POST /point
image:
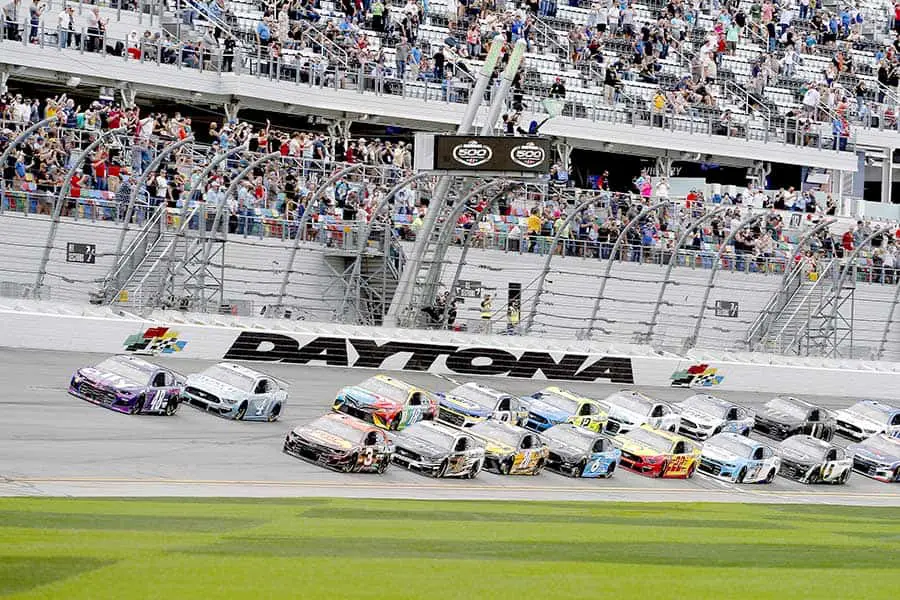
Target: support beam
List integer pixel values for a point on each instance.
(887, 175)
(231, 109)
(129, 94)
(564, 154)
(61, 200)
(4, 79)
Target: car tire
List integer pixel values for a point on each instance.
(394, 425)
(505, 466)
(662, 469)
(610, 470)
(242, 412)
(691, 470)
(351, 464)
(382, 465)
(474, 471)
(442, 470)
(746, 432)
(137, 406)
(578, 471)
(741, 475)
(844, 477)
(538, 467)
(770, 477)
(171, 407)
(274, 413)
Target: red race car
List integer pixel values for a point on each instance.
(387, 402)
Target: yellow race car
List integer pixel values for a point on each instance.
(658, 453)
(510, 450)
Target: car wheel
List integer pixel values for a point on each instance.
(770, 477)
(351, 464)
(474, 471)
(578, 471)
(538, 467)
(505, 466)
(610, 470)
(171, 407)
(137, 406)
(746, 432)
(828, 435)
(273, 414)
(740, 476)
(442, 470)
(394, 425)
(662, 469)
(691, 470)
(845, 476)
(382, 465)
(242, 412)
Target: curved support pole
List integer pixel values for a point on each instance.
(465, 249)
(803, 239)
(681, 239)
(136, 187)
(749, 220)
(197, 193)
(61, 199)
(890, 318)
(850, 265)
(612, 259)
(546, 269)
(305, 218)
(232, 187)
(15, 144)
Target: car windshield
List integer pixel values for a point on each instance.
(706, 405)
(337, 427)
(787, 407)
(730, 445)
(233, 378)
(432, 436)
(494, 431)
(384, 389)
(558, 401)
(125, 370)
(570, 437)
(884, 445)
(637, 403)
(875, 413)
(476, 395)
(651, 440)
(805, 445)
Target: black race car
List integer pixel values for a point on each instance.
(438, 451)
(810, 460)
(341, 442)
(785, 416)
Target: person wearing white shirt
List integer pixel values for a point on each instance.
(65, 24)
(811, 100)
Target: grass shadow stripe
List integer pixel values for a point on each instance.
(22, 573)
(122, 522)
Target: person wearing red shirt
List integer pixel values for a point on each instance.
(847, 240)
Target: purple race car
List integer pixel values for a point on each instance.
(130, 385)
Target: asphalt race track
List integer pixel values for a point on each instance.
(52, 444)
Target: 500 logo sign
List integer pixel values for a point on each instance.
(463, 360)
(492, 153)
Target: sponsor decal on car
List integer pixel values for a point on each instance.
(700, 375)
(155, 340)
(463, 360)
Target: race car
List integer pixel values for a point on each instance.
(658, 453)
(739, 459)
(629, 409)
(387, 402)
(704, 415)
(579, 452)
(867, 418)
(438, 450)
(552, 406)
(877, 457)
(235, 392)
(342, 443)
(470, 403)
(128, 384)
(785, 416)
(810, 460)
(510, 450)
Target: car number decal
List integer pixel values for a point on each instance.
(159, 398)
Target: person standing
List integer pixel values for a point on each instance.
(486, 313)
(513, 314)
(401, 55)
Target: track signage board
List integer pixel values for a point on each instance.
(81, 253)
(492, 153)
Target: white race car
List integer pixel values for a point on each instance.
(736, 458)
(703, 416)
(629, 409)
(867, 418)
(235, 392)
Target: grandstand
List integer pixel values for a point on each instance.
(281, 222)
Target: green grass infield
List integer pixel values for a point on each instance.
(337, 548)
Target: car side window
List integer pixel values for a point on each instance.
(896, 419)
(415, 399)
(732, 414)
(462, 444)
(813, 415)
(600, 445)
(680, 448)
(159, 380)
(371, 438)
(758, 454)
(587, 409)
(527, 443)
(831, 455)
(262, 386)
(504, 404)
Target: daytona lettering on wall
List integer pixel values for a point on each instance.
(411, 356)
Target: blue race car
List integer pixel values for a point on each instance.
(738, 459)
(552, 406)
(579, 452)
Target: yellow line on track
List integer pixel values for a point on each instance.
(432, 486)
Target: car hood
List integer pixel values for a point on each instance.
(633, 447)
(780, 417)
(363, 397)
(464, 406)
(548, 411)
(858, 419)
(219, 388)
(419, 446)
(702, 418)
(619, 413)
(564, 449)
(109, 380)
(865, 451)
(799, 456)
(324, 438)
(721, 455)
